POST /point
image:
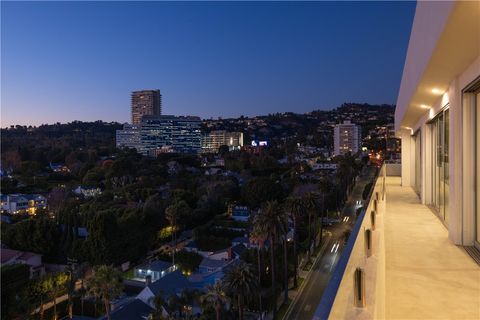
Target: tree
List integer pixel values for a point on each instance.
(53, 285)
(241, 283)
(40, 235)
(261, 189)
(270, 223)
(310, 203)
(223, 150)
(188, 261)
(105, 284)
(259, 239)
(216, 296)
(14, 278)
(295, 209)
(173, 213)
(74, 274)
(158, 302)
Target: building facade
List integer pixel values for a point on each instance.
(438, 115)
(145, 103)
(170, 134)
(23, 203)
(346, 138)
(129, 137)
(213, 140)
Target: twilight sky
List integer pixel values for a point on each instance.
(64, 61)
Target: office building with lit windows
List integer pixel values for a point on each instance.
(128, 137)
(213, 140)
(170, 134)
(346, 138)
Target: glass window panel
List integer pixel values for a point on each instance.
(477, 109)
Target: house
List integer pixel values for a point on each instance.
(241, 240)
(23, 203)
(81, 232)
(59, 167)
(237, 250)
(155, 269)
(88, 191)
(240, 213)
(192, 246)
(135, 309)
(209, 265)
(209, 272)
(34, 260)
(223, 254)
(213, 171)
(172, 283)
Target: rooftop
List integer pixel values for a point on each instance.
(157, 265)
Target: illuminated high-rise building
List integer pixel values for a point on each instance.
(145, 103)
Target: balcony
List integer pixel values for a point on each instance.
(413, 272)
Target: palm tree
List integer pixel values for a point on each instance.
(270, 223)
(157, 314)
(53, 285)
(325, 187)
(259, 239)
(295, 209)
(310, 203)
(74, 274)
(217, 297)
(172, 214)
(105, 284)
(241, 282)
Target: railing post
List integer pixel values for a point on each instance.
(368, 242)
(373, 219)
(359, 288)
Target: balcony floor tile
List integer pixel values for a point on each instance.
(427, 276)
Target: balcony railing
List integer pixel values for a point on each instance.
(356, 288)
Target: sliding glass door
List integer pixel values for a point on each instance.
(418, 162)
(441, 175)
(477, 162)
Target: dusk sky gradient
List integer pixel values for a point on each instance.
(64, 61)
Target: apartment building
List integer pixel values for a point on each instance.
(346, 138)
(145, 103)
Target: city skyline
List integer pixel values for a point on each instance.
(208, 59)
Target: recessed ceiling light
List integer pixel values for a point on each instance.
(436, 91)
(424, 106)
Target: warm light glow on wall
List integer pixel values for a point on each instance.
(424, 106)
(445, 99)
(437, 91)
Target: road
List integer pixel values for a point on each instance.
(305, 303)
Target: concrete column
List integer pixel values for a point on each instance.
(455, 154)
(468, 185)
(407, 154)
